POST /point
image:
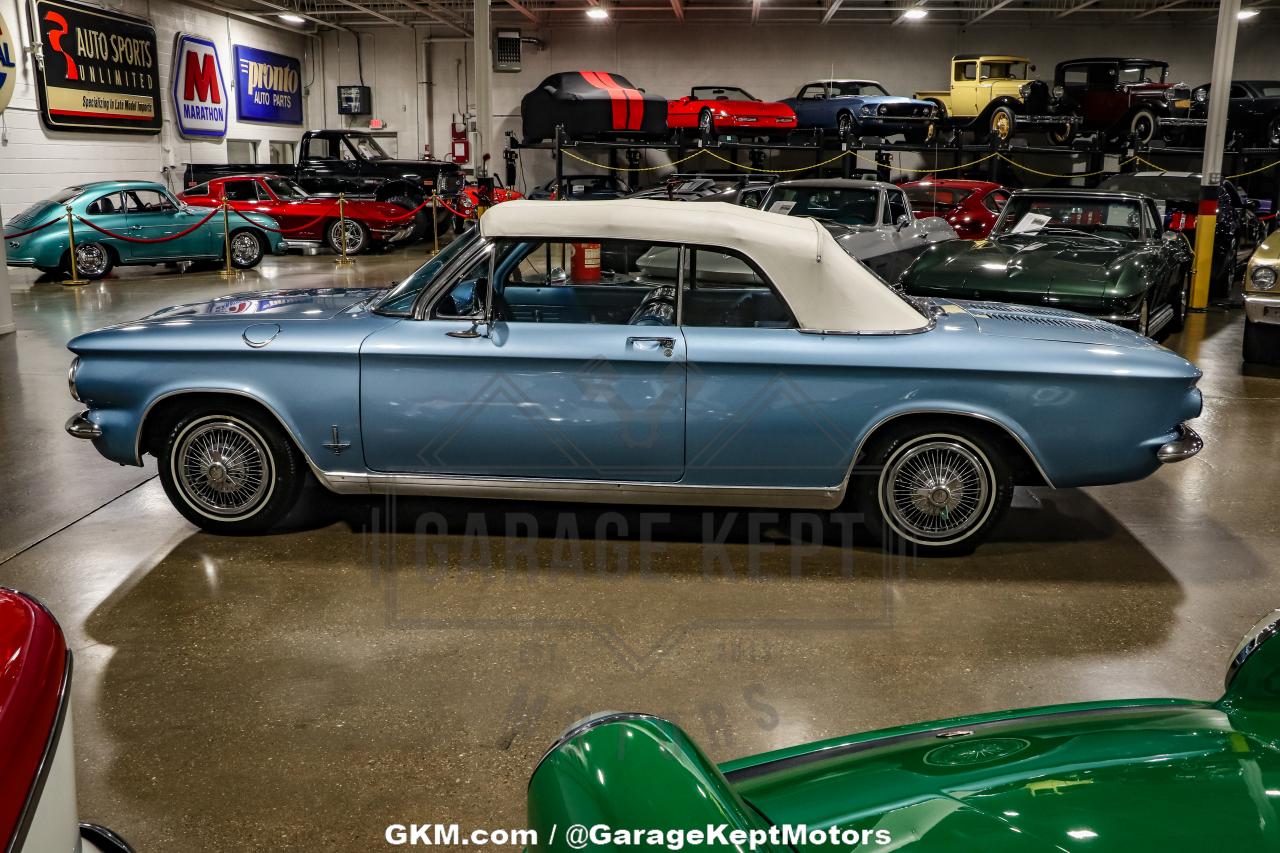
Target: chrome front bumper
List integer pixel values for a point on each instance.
(80, 426)
(1187, 444)
(1256, 308)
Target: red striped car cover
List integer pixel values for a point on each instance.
(628, 103)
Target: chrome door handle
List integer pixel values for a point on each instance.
(667, 344)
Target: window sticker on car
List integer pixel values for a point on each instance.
(783, 207)
(1031, 222)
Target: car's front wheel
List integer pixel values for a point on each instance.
(230, 469)
(350, 231)
(706, 125)
(1001, 123)
(936, 486)
(247, 248)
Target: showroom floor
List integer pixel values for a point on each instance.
(301, 691)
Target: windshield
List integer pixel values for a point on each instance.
(721, 93)
(846, 205)
(1111, 218)
(1162, 187)
(286, 189)
(367, 147)
(399, 300)
(857, 87)
(1142, 73)
(1269, 89)
(933, 197)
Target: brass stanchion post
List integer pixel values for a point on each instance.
(435, 223)
(342, 260)
(71, 253)
(228, 271)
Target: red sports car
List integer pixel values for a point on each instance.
(970, 207)
(715, 109)
(37, 750)
(307, 220)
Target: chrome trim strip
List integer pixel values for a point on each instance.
(1264, 629)
(1256, 305)
(1187, 444)
(927, 327)
(79, 426)
(586, 491)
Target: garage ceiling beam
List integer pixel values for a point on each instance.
(1162, 7)
(990, 10)
(252, 18)
(437, 13)
(524, 10)
(677, 8)
(374, 14)
(280, 7)
(1084, 4)
(833, 6)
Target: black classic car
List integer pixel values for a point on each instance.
(1121, 98)
(746, 190)
(583, 188)
(1177, 197)
(592, 105)
(351, 162)
(1253, 114)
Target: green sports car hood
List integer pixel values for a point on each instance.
(1163, 775)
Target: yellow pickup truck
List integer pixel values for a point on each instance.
(994, 92)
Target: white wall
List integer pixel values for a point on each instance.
(34, 161)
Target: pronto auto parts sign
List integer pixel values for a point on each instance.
(98, 69)
(200, 102)
(8, 68)
(268, 86)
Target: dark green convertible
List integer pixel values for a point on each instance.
(1101, 253)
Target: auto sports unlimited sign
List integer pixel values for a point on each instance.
(8, 68)
(200, 103)
(268, 86)
(98, 69)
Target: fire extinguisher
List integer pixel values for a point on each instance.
(585, 263)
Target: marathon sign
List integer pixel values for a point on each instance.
(98, 69)
(268, 86)
(200, 102)
(8, 67)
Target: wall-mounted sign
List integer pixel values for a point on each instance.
(268, 86)
(8, 68)
(200, 102)
(98, 71)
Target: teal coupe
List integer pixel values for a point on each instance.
(119, 223)
(1125, 775)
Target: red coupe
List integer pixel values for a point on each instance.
(715, 109)
(307, 220)
(970, 207)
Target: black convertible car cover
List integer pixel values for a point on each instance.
(591, 104)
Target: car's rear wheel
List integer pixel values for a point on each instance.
(1261, 343)
(937, 487)
(247, 249)
(1142, 126)
(229, 469)
(350, 231)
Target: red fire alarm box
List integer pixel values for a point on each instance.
(461, 147)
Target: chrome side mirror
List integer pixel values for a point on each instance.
(557, 276)
(905, 220)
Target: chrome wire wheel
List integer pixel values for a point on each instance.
(245, 249)
(92, 259)
(936, 489)
(223, 468)
(346, 232)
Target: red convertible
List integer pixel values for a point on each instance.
(37, 752)
(307, 220)
(970, 207)
(715, 109)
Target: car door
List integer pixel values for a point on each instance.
(579, 375)
(153, 215)
(107, 212)
(811, 106)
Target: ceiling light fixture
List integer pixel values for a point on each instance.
(915, 14)
(289, 18)
(1246, 14)
(597, 13)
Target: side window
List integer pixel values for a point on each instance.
(751, 198)
(1075, 78)
(146, 202)
(105, 206)
(1238, 91)
(898, 207)
(813, 92)
(240, 190)
(995, 200)
(1150, 222)
(316, 148)
(724, 289)
(966, 71)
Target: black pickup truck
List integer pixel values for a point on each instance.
(351, 162)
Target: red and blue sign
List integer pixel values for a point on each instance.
(200, 101)
(268, 86)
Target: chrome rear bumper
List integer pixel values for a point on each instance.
(80, 426)
(1187, 444)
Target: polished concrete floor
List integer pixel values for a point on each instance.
(408, 661)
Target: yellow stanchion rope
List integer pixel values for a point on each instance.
(1026, 168)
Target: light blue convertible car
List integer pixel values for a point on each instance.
(120, 223)
(634, 351)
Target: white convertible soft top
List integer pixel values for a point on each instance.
(826, 289)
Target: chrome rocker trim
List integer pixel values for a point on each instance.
(1256, 305)
(1187, 444)
(1266, 628)
(79, 426)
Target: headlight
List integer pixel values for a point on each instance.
(1202, 95)
(71, 378)
(1058, 91)
(1024, 90)
(883, 109)
(866, 109)
(1262, 278)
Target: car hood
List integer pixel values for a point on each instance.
(762, 108)
(1041, 266)
(1151, 776)
(317, 303)
(886, 99)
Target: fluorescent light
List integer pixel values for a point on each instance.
(1246, 14)
(597, 13)
(1082, 834)
(291, 19)
(915, 14)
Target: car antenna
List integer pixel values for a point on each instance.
(817, 233)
